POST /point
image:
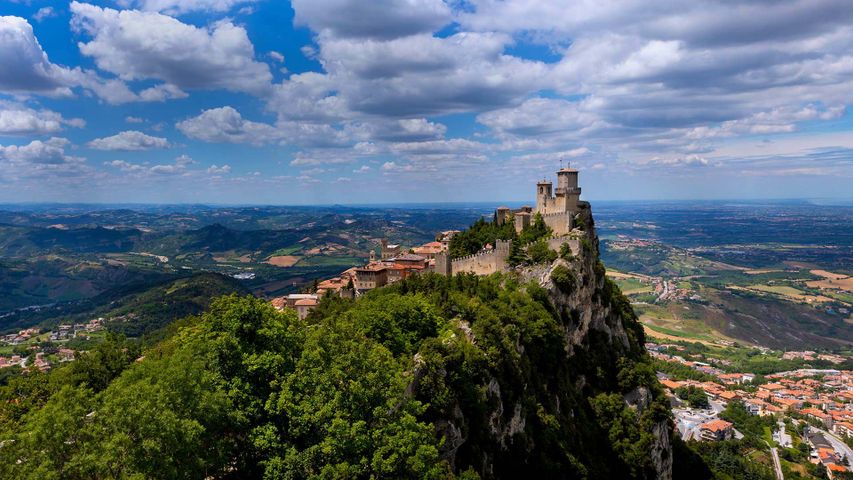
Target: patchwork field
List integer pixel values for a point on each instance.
(283, 260)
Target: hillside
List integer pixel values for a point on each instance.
(137, 308)
(540, 372)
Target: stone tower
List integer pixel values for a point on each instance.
(502, 214)
(543, 195)
(567, 189)
(502, 249)
(443, 265)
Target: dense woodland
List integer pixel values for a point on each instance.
(359, 389)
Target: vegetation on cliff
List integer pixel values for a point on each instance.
(528, 247)
(431, 378)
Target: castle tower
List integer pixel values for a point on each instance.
(502, 214)
(543, 195)
(567, 187)
(502, 249)
(443, 264)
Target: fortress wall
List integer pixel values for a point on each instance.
(480, 264)
(484, 263)
(560, 223)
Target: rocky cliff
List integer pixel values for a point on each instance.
(583, 405)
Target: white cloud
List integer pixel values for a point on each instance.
(132, 119)
(225, 124)
(26, 67)
(39, 160)
(48, 152)
(177, 7)
(44, 12)
(375, 19)
(27, 70)
(276, 56)
(223, 170)
(179, 167)
(147, 45)
(17, 119)
(129, 140)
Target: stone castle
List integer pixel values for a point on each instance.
(557, 209)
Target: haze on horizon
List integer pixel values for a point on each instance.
(353, 102)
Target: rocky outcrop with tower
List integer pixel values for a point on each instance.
(557, 208)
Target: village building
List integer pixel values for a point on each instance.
(429, 250)
(304, 306)
(716, 430)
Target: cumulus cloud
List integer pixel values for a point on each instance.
(129, 140)
(48, 152)
(26, 67)
(44, 12)
(136, 45)
(39, 159)
(226, 125)
(18, 119)
(375, 19)
(223, 170)
(27, 70)
(177, 7)
(410, 76)
(179, 167)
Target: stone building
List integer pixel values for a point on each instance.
(557, 207)
(389, 251)
(370, 277)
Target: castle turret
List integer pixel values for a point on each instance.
(567, 186)
(543, 195)
(443, 265)
(502, 214)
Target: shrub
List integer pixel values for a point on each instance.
(564, 279)
(540, 252)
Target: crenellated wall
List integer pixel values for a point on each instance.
(484, 263)
(559, 222)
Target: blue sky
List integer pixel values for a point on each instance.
(345, 101)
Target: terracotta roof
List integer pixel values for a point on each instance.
(306, 302)
(670, 384)
(716, 425)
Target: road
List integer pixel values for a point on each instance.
(837, 443)
(777, 465)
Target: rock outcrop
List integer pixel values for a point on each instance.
(602, 371)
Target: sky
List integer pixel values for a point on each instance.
(389, 101)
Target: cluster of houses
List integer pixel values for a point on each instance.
(62, 332)
(822, 397)
(31, 336)
(811, 356)
(20, 337)
(67, 332)
(393, 264)
(40, 362)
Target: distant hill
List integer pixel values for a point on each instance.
(145, 305)
(152, 309)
